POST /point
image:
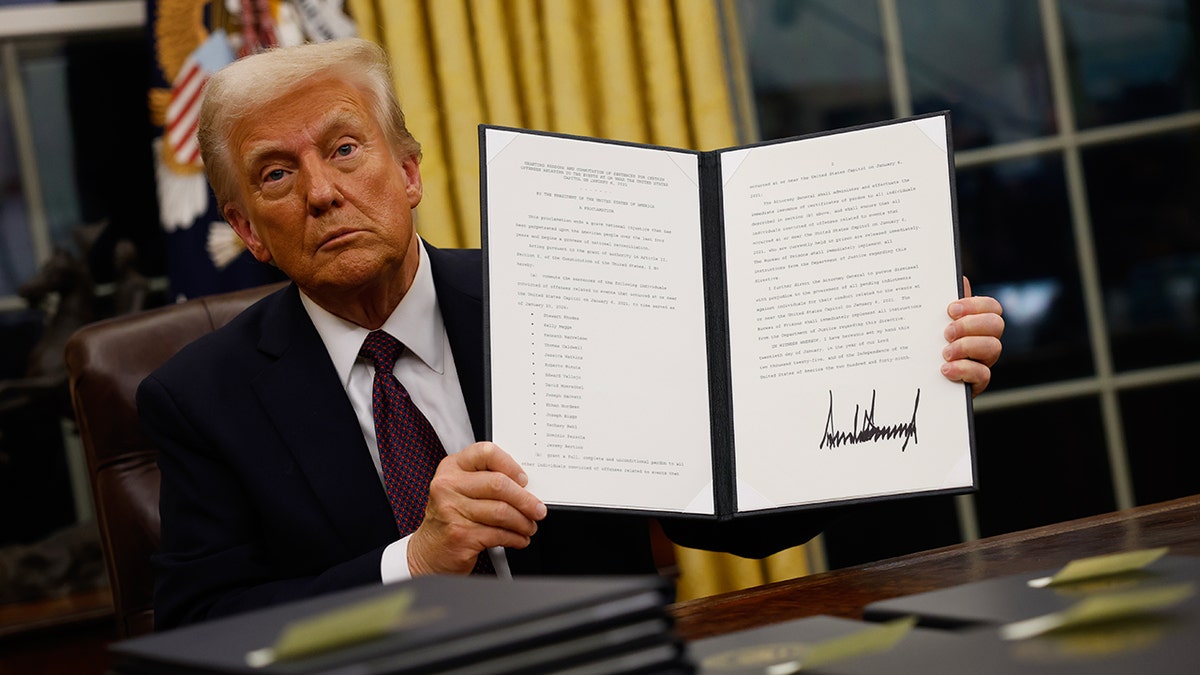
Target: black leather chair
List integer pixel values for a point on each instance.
(106, 361)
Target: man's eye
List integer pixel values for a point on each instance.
(275, 175)
(345, 149)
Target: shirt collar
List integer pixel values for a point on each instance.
(416, 321)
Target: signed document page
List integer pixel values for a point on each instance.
(841, 262)
(597, 342)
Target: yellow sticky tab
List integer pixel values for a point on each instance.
(872, 640)
(337, 628)
(1101, 565)
(1101, 607)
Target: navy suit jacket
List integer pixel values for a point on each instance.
(268, 490)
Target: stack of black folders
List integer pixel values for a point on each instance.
(434, 624)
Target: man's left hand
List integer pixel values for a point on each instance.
(477, 500)
(974, 339)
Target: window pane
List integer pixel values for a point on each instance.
(16, 249)
(985, 61)
(43, 69)
(1041, 464)
(815, 65)
(1131, 60)
(1143, 201)
(1017, 246)
(1162, 451)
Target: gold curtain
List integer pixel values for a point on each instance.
(647, 71)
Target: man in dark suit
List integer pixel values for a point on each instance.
(276, 471)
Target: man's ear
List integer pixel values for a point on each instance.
(241, 224)
(412, 175)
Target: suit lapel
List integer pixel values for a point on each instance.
(308, 406)
(458, 279)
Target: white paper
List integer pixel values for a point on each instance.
(596, 311)
(840, 267)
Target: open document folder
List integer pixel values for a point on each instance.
(718, 333)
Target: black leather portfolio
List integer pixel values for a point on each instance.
(705, 300)
(443, 624)
(1008, 599)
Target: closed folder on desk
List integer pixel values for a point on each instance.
(471, 624)
(1009, 599)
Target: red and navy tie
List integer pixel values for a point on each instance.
(409, 449)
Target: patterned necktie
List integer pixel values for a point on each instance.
(409, 449)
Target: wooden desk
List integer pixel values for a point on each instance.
(846, 592)
(17, 618)
(69, 634)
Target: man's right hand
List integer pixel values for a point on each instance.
(477, 500)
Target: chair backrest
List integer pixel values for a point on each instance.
(106, 361)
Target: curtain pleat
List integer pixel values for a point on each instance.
(666, 108)
(647, 71)
(526, 28)
(787, 564)
(616, 90)
(705, 83)
(365, 17)
(499, 81)
(703, 573)
(461, 110)
(566, 36)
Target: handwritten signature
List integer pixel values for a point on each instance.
(869, 432)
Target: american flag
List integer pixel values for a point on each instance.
(184, 110)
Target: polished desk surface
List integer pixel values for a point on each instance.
(845, 592)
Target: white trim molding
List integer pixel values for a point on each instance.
(54, 19)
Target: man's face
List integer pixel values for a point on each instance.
(320, 192)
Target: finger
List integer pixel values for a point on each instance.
(985, 349)
(970, 372)
(492, 537)
(987, 325)
(476, 523)
(981, 304)
(496, 514)
(486, 485)
(486, 456)
(966, 287)
(451, 486)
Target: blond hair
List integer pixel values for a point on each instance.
(246, 86)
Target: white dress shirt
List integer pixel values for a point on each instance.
(425, 368)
